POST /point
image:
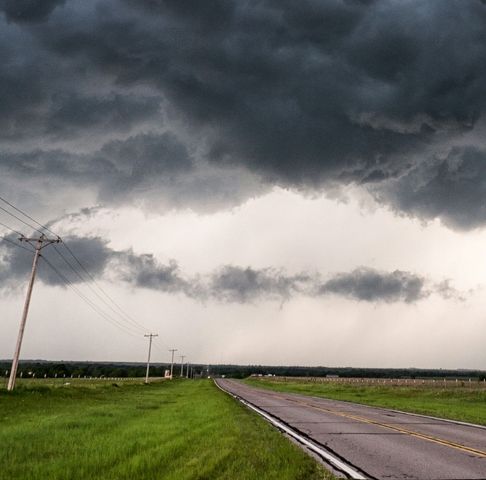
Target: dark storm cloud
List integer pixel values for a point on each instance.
(156, 170)
(304, 94)
(374, 286)
(263, 81)
(64, 116)
(294, 90)
(28, 10)
(119, 166)
(452, 188)
(70, 114)
(44, 96)
(148, 154)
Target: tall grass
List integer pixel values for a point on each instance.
(171, 430)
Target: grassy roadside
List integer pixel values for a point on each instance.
(457, 403)
(169, 430)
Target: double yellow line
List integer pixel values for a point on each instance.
(423, 436)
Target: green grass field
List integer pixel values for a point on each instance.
(463, 404)
(167, 430)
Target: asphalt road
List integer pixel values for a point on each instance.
(380, 443)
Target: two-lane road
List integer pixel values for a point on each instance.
(380, 443)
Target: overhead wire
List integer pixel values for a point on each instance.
(161, 350)
(5, 239)
(26, 215)
(92, 304)
(164, 347)
(127, 318)
(20, 220)
(130, 323)
(12, 229)
(17, 244)
(89, 302)
(69, 264)
(122, 312)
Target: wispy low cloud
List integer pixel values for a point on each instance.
(372, 285)
(228, 284)
(245, 285)
(236, 284)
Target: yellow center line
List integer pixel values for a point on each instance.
(423, 436)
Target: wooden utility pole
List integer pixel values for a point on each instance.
(150, 336)
(182, 365)
(38, 244)
(172, 361)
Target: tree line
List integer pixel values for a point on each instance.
(39, 369)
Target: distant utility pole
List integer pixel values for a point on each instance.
(172, 361)
(38, 243)
(150, 336)
(182, 365)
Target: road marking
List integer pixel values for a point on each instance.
(386, 409)
(336, 462)
(447, 420)
(412, 433)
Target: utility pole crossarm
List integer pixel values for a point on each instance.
(40, 242)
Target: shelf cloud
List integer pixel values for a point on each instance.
(309, 96)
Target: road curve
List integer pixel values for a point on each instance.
(380, 443)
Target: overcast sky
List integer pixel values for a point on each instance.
(264, 182)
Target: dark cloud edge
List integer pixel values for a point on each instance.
(363, 90)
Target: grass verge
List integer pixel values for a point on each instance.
(168, 430)
(454, 403)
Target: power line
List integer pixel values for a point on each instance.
(12, 229)
(128, 317)
(20, 220)
(17, 244)
(90, 303)
(69, 264)
(28, 216)
(130, 323)
(162, 348)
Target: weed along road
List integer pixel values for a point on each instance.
(370, 442)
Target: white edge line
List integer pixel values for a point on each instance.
(448, 420)
(330, 458)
